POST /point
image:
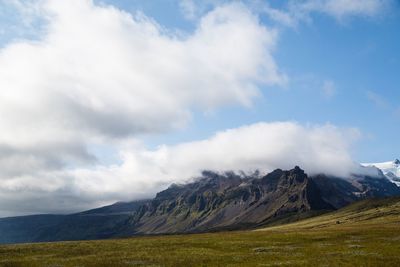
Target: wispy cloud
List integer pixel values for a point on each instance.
(189, 9)
(383, 103)
(329, 89)
(378, 100)
(339, 9)
(295, 12)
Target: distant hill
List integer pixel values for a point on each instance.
(92, 224)
(213, 202)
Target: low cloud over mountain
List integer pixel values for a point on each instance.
(143, 172)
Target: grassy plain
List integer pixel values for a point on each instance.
(364, 234)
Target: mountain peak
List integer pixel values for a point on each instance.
(298, 169)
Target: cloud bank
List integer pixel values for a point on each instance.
(143, 172)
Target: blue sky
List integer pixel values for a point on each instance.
(111, 100)
(359, 55)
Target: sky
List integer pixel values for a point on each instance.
(110, 100)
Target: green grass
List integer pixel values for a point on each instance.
(368, 234)
(382, 213)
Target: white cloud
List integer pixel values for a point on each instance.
(264, 146)
(280, 16)
(143, 172)
(106, 64)
(19, 19)
(189, 9)
(193, 10)
(99, 74)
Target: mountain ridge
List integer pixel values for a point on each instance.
(213, 202)
(391, 169)
(218, 202)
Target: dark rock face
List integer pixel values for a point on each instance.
(340, 192)
(229, 201)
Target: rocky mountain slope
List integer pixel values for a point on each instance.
(340, 192)
(229, 201)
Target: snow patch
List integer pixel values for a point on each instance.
(391, 169)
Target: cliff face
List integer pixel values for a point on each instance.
(340, 192)
(229, 201)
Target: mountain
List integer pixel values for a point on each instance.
(391, 169)
(213, 202)
(92, 224)
(229, 201)
(340, 192)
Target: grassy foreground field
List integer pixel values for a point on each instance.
(364, 234)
